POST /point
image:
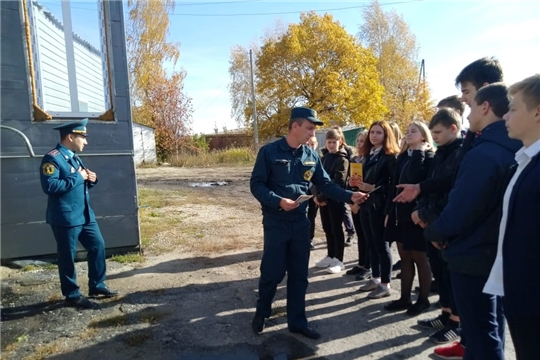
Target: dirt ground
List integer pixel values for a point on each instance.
(194, 299)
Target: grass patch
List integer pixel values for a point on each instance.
(50, 267)
(128, 258)
(46, 350)
(30, 268)
(232, 156)
(55, 297)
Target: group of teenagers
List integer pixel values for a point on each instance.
(462, 206)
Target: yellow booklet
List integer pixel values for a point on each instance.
(356, 169)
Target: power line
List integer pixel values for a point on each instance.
(262, 13)
(299, 11)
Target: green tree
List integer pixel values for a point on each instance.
(317, 64)
(390, 38)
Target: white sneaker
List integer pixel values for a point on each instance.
(336, 267)
(324, 263)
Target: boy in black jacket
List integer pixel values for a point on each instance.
(445, 128)
(467, 230)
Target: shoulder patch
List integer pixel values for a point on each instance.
(53, 152)
(48, 169)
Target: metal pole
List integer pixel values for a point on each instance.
(255, 127)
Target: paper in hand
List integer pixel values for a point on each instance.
(303, 198)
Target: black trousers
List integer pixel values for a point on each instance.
(440, 271)
(363, 251)
(372, 222)
(312, 214)
(332, 218)
(525, 332)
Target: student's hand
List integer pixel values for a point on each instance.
(359, 197)
(437, 245)
(83, 173)
(366, 187)
(409, 193)
(319, 203)
(354, 181)
(355, 208)
(288, 204)
(416, 218)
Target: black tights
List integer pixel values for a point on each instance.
(408, 260)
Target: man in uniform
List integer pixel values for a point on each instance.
(66, 181)
(282, 172)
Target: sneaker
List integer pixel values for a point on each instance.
(418, 307)
(364, 275)
(454, 351)
(398, 305)
(354, 270)
(445, 335)
(336, 267)
(370, 286)
(350, 240)
(435, 323)
(324, 263)
(379, 292)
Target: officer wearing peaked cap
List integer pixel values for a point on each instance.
(66, 181)
(282, 172)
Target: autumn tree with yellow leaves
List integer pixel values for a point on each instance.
(157, 96)
(388, 35)
(314, 63)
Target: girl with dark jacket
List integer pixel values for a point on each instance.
(379, 151)
(412, 167)
(336, 164)
(363, 269)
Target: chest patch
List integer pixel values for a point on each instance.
(48, 169)
(308, 175)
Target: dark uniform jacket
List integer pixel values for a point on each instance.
(469, 225)
(69, 202)
(378, 170)
(521, 246)
(409, 170)
(284, 172)
(444, 165)
(337, 167)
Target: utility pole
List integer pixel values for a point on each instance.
(255, 127)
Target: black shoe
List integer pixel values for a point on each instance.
(445, 335)
(398, 305)
(350, 240)
(435, 323)
(307, 332)
(355, 270)
(257, 324)
(105, 291)
(398, 275)
(418, 307)
(364, 275)
(396, 266)
(81, 302)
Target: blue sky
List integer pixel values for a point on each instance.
(451, 34)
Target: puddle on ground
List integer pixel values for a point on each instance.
(208, 184)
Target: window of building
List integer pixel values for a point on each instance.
(68, 57)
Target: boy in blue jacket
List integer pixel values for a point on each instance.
(467, 229)
(516, 270)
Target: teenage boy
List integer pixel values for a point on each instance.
(445, 127)
(516, 267)
(467, 230)
(474, 76)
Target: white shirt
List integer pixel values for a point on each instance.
(495, 283)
